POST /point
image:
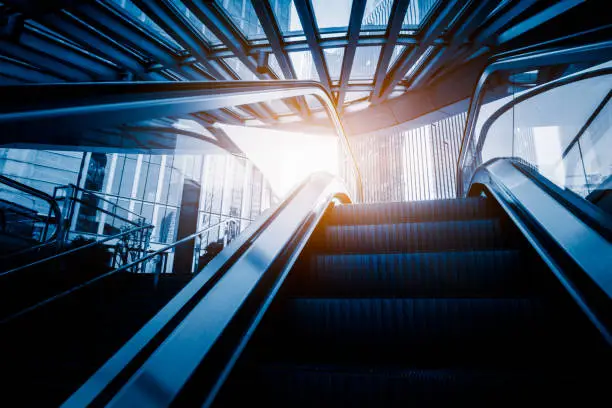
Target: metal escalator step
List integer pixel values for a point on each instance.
(355, 386)
(427, 331)
(411, 237)
(421, 274)
(414, 211)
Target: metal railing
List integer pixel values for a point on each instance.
(54, 210)
(122, 268)
(466, 165)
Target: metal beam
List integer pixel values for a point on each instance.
(112, 22)
(20, 71)
(398, 12)
(357, 11)
(472, 18)
(94, 66)
(169, 18)
(95, 42)
(65, 71)
(410, 56)
(217, 21)
(537, 20)
(488, 36)
(275, 38)
(309, 24)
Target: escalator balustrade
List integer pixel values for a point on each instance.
(431, 303)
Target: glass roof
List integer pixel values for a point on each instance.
(418, 11)
(304, 65)
(364, 65)
(196, 23)
(286, 16)
(376, 15)
(334, 13)
(333, 58)
(244, 17)
(206, 57)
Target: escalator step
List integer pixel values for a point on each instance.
(415, 211)
(481, 331)
(342, 386)
(424, 236)
(421, 274)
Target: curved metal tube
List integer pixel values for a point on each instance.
(44, 196)
(592, 52)
(82, 106)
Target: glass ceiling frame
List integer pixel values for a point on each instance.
(177, 47)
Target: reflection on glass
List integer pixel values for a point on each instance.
(353, 96)
(333, 57)
(365, 62)
(596, 148)
(334, 13)
(544, 131)
(418, 11)
(137, 14)
(239, 68)
(244, 17)
(304, 65)
(376, 15)
(397, 51)
(286, 16)
(195, 22)
(413, 69)
(275, 67)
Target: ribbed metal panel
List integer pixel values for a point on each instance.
(409, 165)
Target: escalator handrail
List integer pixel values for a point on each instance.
(576, 252)
(43, 196)
(73, 250)
(591, 52)
(77, 107)
(270, 245)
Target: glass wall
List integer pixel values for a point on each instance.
(414, 164)
(564, 133)
(141, 185)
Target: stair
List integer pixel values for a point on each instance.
(435, 303)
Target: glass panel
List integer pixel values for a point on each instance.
(286, 16)
(418, 10)
(118, 175)
(239, 68)
(542, 131)
(195, 22)
(596, 148)
(128, 178)
(304, 65)
(137, 14)
(365, 62)
(420, 61)
(274, 66)
(313, 102)
(243, 16)
(376, 16)
(397, 51)
(333, 57)
(353, 96)
(332, 13)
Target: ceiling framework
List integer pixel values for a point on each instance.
(419, 42)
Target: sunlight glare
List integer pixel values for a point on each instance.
(286, 158)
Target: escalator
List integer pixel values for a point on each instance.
(498, 298)
(432, 303)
